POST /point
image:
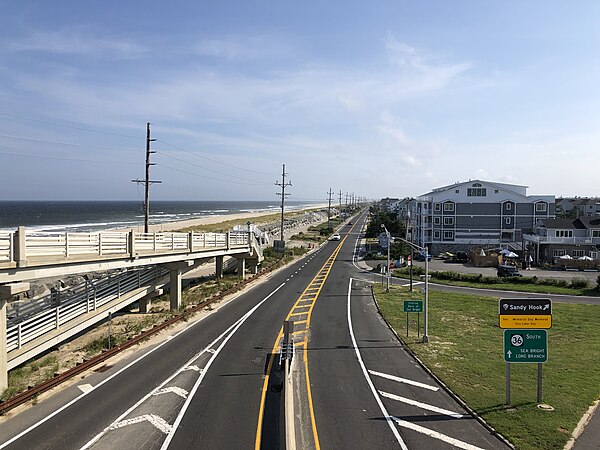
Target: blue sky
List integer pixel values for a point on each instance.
(389, 98)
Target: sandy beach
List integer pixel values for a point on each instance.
(218, 218)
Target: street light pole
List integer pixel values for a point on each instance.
(426, 294)
(389, 243)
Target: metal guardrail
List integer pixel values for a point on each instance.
(28, 321)
(54, 246)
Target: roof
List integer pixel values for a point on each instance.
(504, 186)
(563, 224)
(590, 222)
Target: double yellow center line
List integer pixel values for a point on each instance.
(301, 314)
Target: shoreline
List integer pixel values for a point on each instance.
(211, 220)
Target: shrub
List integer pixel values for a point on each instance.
(598, 282)
(579, 283)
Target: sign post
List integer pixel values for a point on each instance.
(413, 306)
(525, 337)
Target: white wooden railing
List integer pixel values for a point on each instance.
(52, 246)
(30, 320)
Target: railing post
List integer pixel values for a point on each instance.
(139, 279)
(153, 241)
(95, 295)
(66, 245)
(119, 286)
(87, 297)
(173, 241)
(20, 245)
(57, 316)
(132, 244)
(191, 241)
(227, 239)
(99, 244)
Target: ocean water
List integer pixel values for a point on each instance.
(100, 215)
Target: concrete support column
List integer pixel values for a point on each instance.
(175, 286)
(3, 353)
(253, 266)
(241, 267)
(219, 267)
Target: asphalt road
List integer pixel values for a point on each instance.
(204, 386)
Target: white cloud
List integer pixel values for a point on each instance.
(79, 42)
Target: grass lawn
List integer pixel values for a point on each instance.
(465, 351)
(508, 286)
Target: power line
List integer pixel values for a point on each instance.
(68, 126)
(28, 155)
(207, 178)
(207, 169)
(66, 143)
(213, 160)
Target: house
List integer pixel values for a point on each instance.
(477, 213)
(556, 238)
(578, 206)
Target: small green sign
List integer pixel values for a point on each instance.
(413, 306)
(525, 346)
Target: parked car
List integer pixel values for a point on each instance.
(335, 237)
(508, 271)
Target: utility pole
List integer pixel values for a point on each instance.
(283, 185)
(329, 210)
(147, 182)
(340, 211)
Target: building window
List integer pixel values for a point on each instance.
(563, 233)
(541, 207)
(595, 233)
(457, 191)
(448, 206)
(578, 253)
(594, 255)
(495, 191)
(448, 220)
(507, 220)
(476, 192)
(436, 220)
(556, 253)
(508, 206)
(448, 235)
(476, 185)
(436, 235)
(437, 207)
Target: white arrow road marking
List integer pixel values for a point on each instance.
(435, 434)
(85, 387)
(155, 420)
(422, 405)
(404, 380)
(175, 390)
(194, 368)
(211, 350)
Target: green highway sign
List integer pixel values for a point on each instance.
(525, 346)
(414, 306)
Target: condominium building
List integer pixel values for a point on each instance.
(477, 213)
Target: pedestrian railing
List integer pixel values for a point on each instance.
(25, 248)
(27, 321)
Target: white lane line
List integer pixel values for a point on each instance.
(404, 380)
(155, 420)
(85, 387)
(187, 364)
(183, 410)
(388, 418)
(106, 380)
(436, 435)
(172, 390)
(422, 405)
(414, 283)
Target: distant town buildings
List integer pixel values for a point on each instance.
(575, 207)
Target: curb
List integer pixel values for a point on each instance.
(479, 419)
